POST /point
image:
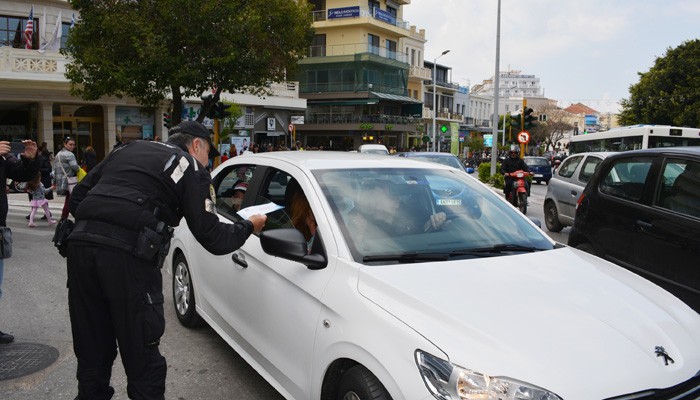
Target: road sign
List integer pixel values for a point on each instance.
(523, 137)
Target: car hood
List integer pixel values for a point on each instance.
(560, 319)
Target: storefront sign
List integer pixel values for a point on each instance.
(384, 16)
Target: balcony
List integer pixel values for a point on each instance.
(22, 64)
(419, 72)
(342, 15)
(353, 49)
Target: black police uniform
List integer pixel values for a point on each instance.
(510, 165)
(115, 287)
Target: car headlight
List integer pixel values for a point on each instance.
(447, 381)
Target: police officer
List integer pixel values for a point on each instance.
(123, 211)
(511, 164)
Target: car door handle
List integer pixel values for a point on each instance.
(644, 226)
(239, 259)
(574, 193)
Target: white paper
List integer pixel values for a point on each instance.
(260, 209)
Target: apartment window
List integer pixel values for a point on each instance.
(65, 28)
(413, 57)
(373, 41)
(372, 5)
(390, 49)
(392, 11)
(318, 46)
(12, 32)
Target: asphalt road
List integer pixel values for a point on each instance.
(34, 309)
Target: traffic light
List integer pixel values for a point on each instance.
(221, 112)
(529, 119)
(167, 120)
(515, 123)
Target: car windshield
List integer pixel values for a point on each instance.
(444, 160)
(536, 162)
(409, 215)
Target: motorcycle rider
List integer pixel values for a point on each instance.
(511, 164)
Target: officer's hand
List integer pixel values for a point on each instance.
(258, 221)
(435, 222)
(30, 149)
(4, 147)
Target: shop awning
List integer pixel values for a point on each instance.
(349, 102)
(395, 97)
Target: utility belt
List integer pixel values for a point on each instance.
(151, 244)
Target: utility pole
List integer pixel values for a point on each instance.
(496, 94)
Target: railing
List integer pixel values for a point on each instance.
(350, 86)
(48, 65)
(360, 12)
(356, 48)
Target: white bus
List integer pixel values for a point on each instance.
(634, 138)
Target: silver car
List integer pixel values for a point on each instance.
(566, 186)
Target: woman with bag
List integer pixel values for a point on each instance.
(66, 172)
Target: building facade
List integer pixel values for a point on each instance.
(35, 100)
(357, 76)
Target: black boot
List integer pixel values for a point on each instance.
(6, 338)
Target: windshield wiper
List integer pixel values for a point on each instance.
(407, 257)
(496, 249)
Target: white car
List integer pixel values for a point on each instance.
(422, 283)
(373, 149)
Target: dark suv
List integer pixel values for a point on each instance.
(641, 210)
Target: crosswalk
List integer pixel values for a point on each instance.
(18, 211)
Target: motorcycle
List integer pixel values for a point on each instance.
(518, 195)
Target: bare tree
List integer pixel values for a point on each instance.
(554, 129)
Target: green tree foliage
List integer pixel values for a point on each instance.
(669, 94)
(152, 49)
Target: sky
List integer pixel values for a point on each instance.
(587, 51)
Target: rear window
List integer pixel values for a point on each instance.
(537, 162)
(568, 167)
(588, 168)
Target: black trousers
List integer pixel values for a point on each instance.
(115, 299)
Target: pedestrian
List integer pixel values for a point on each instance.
(234, 151)
(21, 170)
(124, 210)
(89, 159)
(224, 157)
(44, 159)
(36, 188)
(65, 169)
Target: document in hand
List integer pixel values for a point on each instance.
(259, 209)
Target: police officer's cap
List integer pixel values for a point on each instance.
(196, 129)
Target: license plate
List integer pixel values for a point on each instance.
(538, 175)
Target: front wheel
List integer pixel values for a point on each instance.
(358, 383)
(183, 294)
(522, 202)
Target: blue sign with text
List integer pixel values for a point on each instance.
(344, 12)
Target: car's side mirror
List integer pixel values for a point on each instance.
(290, 244)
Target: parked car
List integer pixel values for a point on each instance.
(373, 149)
(566, 186)
(641, 210)
(384, 305)
(541, 169)
(448, 159)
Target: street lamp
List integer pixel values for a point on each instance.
(435, 95)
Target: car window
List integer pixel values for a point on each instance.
(537, 162)
(626, 178)
(588, 168)
(274, 190)
(387, 211)
(231, 189)
(568, 167)
(450, 161)
(680, 190)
